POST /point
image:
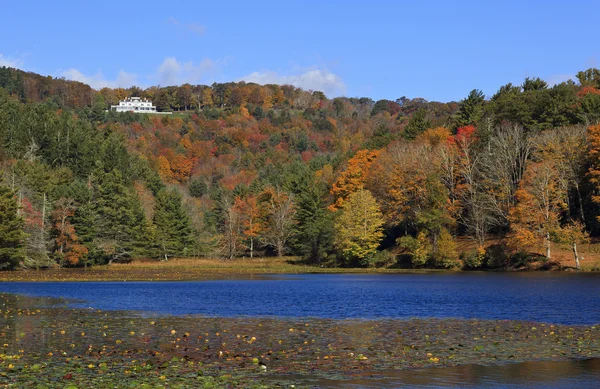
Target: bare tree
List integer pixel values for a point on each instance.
(462, 171)
(567, 147)
(279, 217)
(503, 164)
(231, 228)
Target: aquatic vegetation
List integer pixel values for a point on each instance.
(46, 345)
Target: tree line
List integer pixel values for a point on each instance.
(275, 170)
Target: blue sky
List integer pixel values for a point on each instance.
(438, 50)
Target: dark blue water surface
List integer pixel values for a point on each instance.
(565, 298)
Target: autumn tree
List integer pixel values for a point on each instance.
(67, 247)
(353, 178)
(593, 136)
(36, 228)
(247, 213)
(164, 168)
(567, 148)
(402, 179)
(541, 198)
(359, 227)
(572, 234)
(180, 167)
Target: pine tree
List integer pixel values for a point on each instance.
(121, 226)
(12, 235)
(313, 235)
(471, 109)
(172, 224)
(417, 124)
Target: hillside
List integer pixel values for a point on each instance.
(246, 170)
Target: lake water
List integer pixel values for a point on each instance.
(570, 374)
(563, 298)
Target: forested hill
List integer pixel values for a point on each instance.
(244, 170)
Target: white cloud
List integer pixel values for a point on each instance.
(97, 81)
(170, 72)
(174, 72)
(317, 79)
(193, 27)
(10, 62)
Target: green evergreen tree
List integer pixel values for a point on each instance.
(314, 233)
(120, 221)
(172, 225)
(12, 235)
(590, 77)
(19, 88)
(532, 84)
(198, 187)
(470, 110)
(417, 124)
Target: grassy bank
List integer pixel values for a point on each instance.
(206, 269)
(185, 269)
(44, 346)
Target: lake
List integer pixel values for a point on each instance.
(570, 374)
(561, 298)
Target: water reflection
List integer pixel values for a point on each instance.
(568, 374)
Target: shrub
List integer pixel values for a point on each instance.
(521, 258)
(383, 259)
(418, 248)
(446, 255)
(496, 256)
(474, 259)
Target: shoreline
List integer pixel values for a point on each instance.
(213, 269)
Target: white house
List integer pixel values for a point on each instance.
(136, 105)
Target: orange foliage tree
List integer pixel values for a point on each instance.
(66, 240)
(181, 168)
(593, 136)
(164, 168)
(250, 215)
(354, 177)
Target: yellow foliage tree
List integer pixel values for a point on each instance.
(434, 136)
(359, 227)
(541, 198)
(164, 168)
